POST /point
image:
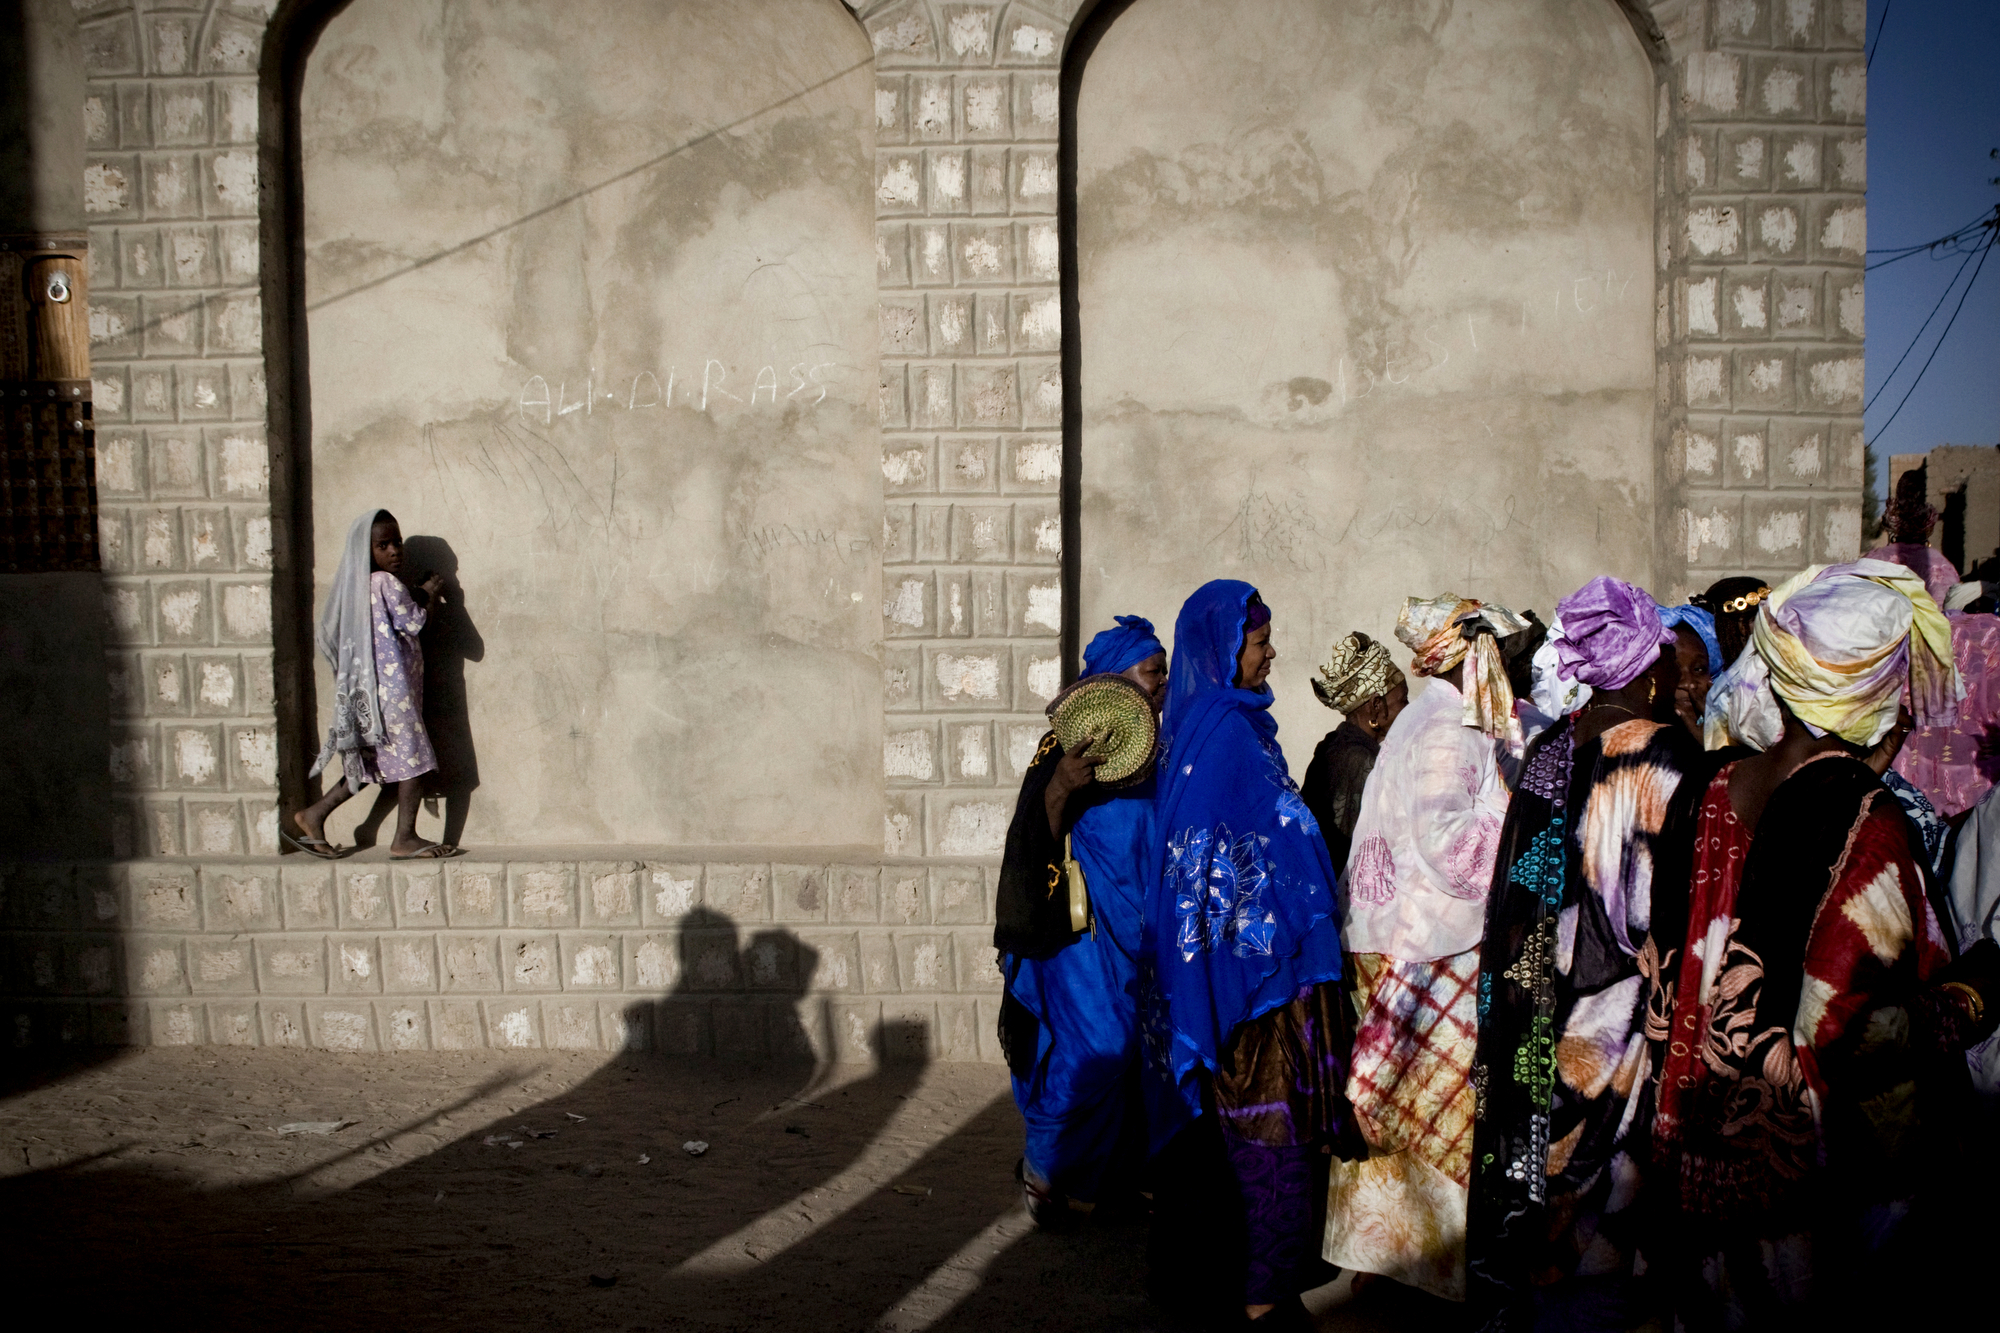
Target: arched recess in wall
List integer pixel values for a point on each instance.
(1359, 304)
(589, 302)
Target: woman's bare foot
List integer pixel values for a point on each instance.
(312, 844)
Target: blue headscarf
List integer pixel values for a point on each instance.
(1703, 624)
(1115, 650)
(1241, 914)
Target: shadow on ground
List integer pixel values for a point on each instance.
(884, 1201)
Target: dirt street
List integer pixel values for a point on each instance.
(543, 1190)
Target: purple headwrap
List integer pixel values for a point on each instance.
(1115, 650)
(1611, 633)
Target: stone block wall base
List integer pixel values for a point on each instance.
(746, 960)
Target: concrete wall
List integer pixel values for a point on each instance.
(741, 958)
(591, 302)
(41, 136)
(1762, 176)
(1366, 310)
(196, 931)
(55, 792)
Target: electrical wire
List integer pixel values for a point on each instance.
(1940, 342)
(1919, 336)
(1876, 45)
(1985, 217)
(1952, 243)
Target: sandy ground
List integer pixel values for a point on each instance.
(550, 1191)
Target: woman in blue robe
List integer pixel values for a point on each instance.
(1244, 1016)
(1069, 1020)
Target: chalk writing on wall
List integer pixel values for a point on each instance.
(805, 382)
(1575, 301)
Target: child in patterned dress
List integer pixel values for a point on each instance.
(378, 733)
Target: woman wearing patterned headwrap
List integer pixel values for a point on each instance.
(1068, 1019)
(1359, 680)
(1809, 1009)
(1412, 909)
(1562, 1065)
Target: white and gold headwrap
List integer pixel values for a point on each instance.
(1838, 643)
(1442, 631)
(1357, 670)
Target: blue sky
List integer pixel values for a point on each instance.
(1933, 116)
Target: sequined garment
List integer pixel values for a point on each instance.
(1562, 1064)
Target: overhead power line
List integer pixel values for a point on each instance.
(1919, 337)
(1967, 239)
(1876, 45)
(1986, 250)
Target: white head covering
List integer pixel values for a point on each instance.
(346, 639)
(1555, 695)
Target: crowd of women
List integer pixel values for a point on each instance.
(1640, 968)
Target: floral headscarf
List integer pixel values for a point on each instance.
(1444, 631)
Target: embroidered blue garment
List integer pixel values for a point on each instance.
(1241, 913)
(1079, 1102)
(1703, 624)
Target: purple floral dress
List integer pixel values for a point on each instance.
(399, 688)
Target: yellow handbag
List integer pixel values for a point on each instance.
(1079, 892)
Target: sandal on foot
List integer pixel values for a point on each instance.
(1287, 1316)
(437, 851)
(1049, 1210)
(312, 846)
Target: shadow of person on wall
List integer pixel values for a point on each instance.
(740, 1004)
(450, 640)
(580, 1195)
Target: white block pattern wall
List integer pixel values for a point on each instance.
(171, 193)
(1762, 253)
(199, 932)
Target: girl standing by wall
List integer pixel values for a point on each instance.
(368, 633)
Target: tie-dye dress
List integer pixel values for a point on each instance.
(1807, 1028)
(1562, 1068)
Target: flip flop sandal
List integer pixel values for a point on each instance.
(1049, 1210)
(312, 846)
(437, 851)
